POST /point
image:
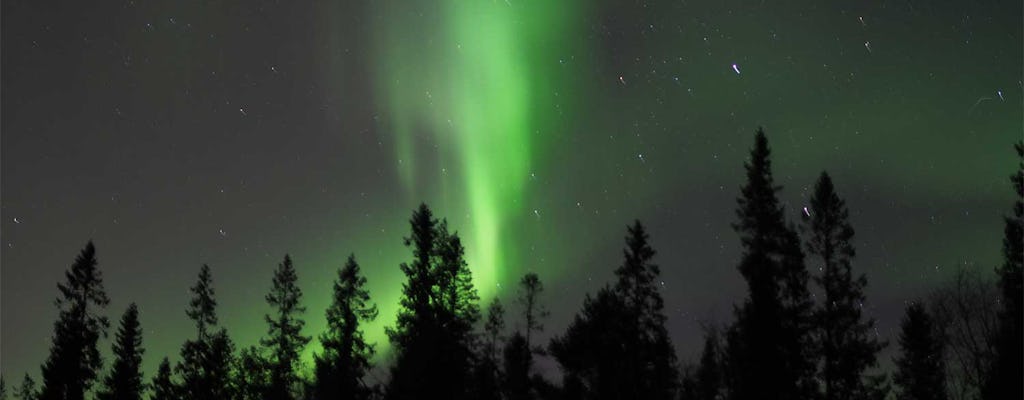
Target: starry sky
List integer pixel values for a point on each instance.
(177, 133)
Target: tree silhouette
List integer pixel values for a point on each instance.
(285, 340)
(962, 310)
(618, 346)
(163, 387)
(518, 359)
(346, 356)
(125, 379)
(3, 388)
(252, 376)
(74, 359)
(27, 390)
(432, 338)
(1004, 378)
(487, 379)
(847, 347)
(206, 361)
(920, 370)
(707, 382)
(530, 288)
(768, 346)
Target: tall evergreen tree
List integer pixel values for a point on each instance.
(769, 345)
(1006, 370)
(285, 339)
(125, 379)
(163, 387)
(346, 356)
(74, 359)
(432, 339)
(27, 390)
(847, 347)
(206, 361)
(920, 369)
(618, 347)
(3, 388)
(487, 379)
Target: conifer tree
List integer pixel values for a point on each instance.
(1005, 373)
(518, 359)
(206, 361)
(920, 369)
(487, 380)
(847, 346)
(74, 360)
(346, 357)
(709, 372)
(618, 346)
(285, 340)
(27, 390)
(125, 379)
(433, 337)
(769, 345)
(530, 288)
(251, 378)
(163, 387)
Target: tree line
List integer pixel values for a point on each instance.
(782, 344)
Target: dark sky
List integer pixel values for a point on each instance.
(177, 133)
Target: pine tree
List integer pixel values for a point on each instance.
(27, 390)
(432, 339)
(487, 373)
(346, 357)
(1005, 373)
(74, 359)
(3, 388)
(125, 379)
(847, 346)
(163, 386)
(285, 339)
(768, 347)
(206, 361)
(920, 369)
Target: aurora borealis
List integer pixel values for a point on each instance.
(230, 133)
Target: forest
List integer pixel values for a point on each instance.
(962, 342)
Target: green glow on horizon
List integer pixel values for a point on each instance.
(467, 85)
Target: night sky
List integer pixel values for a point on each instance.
(177, 133)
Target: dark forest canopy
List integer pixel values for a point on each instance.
(784, 343)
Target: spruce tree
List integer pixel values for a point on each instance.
(769, 347)
(285, 340)
(74, 360)
(848, 348)
(27, 390)
(433, 337)
(163, 387)
(920, 368)
(206, 361)
(618, 347)
(1005, 373)
(125, 379)
(346, 357)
